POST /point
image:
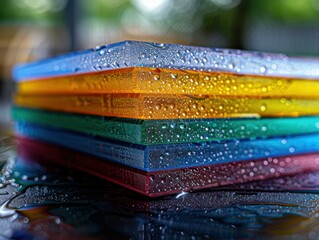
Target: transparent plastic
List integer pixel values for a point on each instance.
(158, 55)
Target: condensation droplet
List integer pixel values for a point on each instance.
(262, 69)
(291, 149)
(263, 107)
(57, 220)
(156, 77)
(164, 126)
(152, 177)
(174, 75)
(25, 220)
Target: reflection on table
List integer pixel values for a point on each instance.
(50, 202)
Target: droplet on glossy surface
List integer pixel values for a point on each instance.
(156, 77)
(263, 107)
(262, 69)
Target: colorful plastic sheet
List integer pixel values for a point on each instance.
(150, 106)
(172, 81)
(133, 54)
(172, 156)
(159, 183)
(148, 132)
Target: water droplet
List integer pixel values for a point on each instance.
(279, 82)
(98, 47)
(164, 126)
(98, 67)
(291, 149)
(57, 220)
(152, 177)
(174, 75)
(262, 69)
(158, 45)
(156, 77)
(231, 65)
(263, 107)
(204, 60)
(181, 194)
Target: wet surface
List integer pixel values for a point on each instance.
(49, 202)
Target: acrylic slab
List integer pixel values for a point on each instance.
(159, 183)
(148, 132)
(142, 54)
(171, 81)
(172, 156)
(152, 106)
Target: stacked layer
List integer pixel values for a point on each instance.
(161, 119)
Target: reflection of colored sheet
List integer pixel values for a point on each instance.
(170, 156)
(170, 81)
(160, 183)
(134, 54)
(170, 131)
(149, 106)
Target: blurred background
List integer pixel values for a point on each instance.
(35, 29)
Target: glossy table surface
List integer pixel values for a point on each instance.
(48, 202)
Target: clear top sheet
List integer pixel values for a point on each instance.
(159, 55)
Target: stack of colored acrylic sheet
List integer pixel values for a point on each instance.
(161, 119)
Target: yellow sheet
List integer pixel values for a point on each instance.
(169, 81)
(152, 106)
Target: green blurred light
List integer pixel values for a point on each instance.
(288, 10)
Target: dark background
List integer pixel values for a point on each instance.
(35, 29)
